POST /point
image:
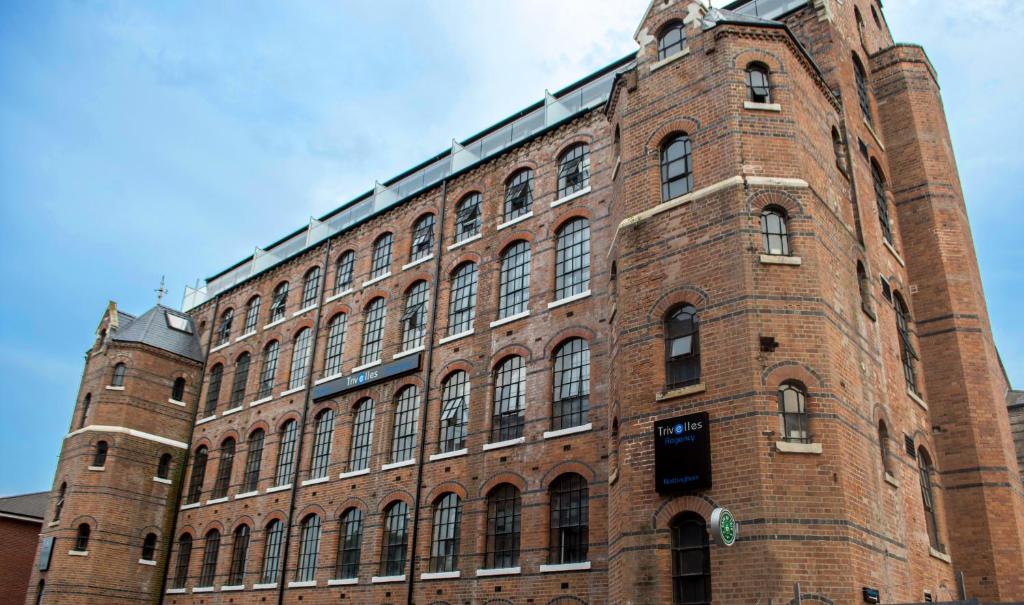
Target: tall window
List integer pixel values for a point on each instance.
(178, 390)
(253, 461)
(571, 397)
(213, 390)
(269, 368)
(518, 195)
(515, 280)
(572, 259)
(224, 328)
(86, 404)
(310, 288)
(414, 316)
(195, 484)
(82, 538)
(860, 25)
(184, 557)
(865, 288)
(252, 315)
(381, 256)
(758, 86)
(279, 302)
(58, 507)
(509, 399)
(117, 380)
(163, 467)
(574, 170)
(239, 555)
(793, 411)
(676, 167)
(99, 458)
(881, 201)
(349, 543)
(240, 380)
(691, 561)
(208, 572)
(467, 217)
(671, 40)
(454, 411)
(149, 548)
(309, 549)
(569, 520)
(682, 348)
(362, 436)
(287, 436)
(322, 443)
(302, 352)
(393, 550)
(373, 331)
(444, 548)
(862, 89)
(925, 470)
(272, 552)
(422, 238)
(462, 301)
(403, 436)
(908, 355)
(883, 445)
(343, 271)
(335, 344)
(773, 231)
(503, 511)
(227, 461)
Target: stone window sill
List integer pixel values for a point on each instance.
(515, 221)
(292, 391)
(412, 351)
(246, 495)
(501, 444)
(462, 243)
(565, 567)
(205, 420)
(162, 480)
(499, 571)
(78, 553)
(53, 524)
(571, 197)
(569, 299)
(455, 337)
(509, 319)
(191, 506)
(387, 579)
(790, 447)
(246, 335)
(176, 402)
(203, 589)
(350, 474)
(149, 562)
(938, 554)
(228, 412)
(401, 463)
(175, 591)
(303, 584)
(667, 60)
(222, 345)
(868, 311)
(113, 388)
(778, 259)
(417, 262)
(583, 428)
(366, 366)
(343, 582)
(97, 468)
(762, 106)
(217, 500)
(890, 479)
(327, 378)
(693, 389)
(266, 399)
(917, 399)
(316, 481)
(232, 588)
(375, 280)
(451, 454)
(334, 297)
(441, 575)
(874, 135)
(279, 488)
(893, 251)
(273, 323)
(304, 310)
(270, 586)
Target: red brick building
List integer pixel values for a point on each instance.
(21, 518)
(745, 245)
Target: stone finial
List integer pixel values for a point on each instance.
(695, 12)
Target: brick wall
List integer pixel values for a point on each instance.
(17, 546)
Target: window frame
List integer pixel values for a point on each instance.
(569, 526)
(82, 535)
(309, 548)
(350, 538)
(570, 410)
(679, 548)
(444, 543)
(99, 458)
(239, 555)
(759, 83)
(462, 299)
(252, 315)
(149, 543)
(676, 149)
(279, 303)
(775, 234)
(514, 279)
(394, 539)
(455, 392)
(414, 315)
(421, 245)
(183, 560)
(284, 470)
(255, 443)
(518, 199)
(337, 327)
(504, 527)
(323, 436)
(302, 357)
(795, 423)
(572, 258)
(227, 317)
(908, 353)
(374, 321)
(225, 466)
(268, 369)
(509, 413)
(198, 475)
(361, 443)
(468, 216)
(271, 564)
(687, 364)
(380, 264)
(241, 379)
(211, 552)
(403, 429)
(310, 288)
(343, 269)
(119, 373)
(573, 177)
(671, 47)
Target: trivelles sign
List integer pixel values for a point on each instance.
(682, 454)
(367, 377)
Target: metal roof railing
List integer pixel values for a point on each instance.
(767, 9)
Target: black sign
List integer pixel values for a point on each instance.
(682, 454)
(364, 378)
(45, 553)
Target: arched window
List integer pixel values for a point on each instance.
(908, 354)
(343, 271)
(269, 369)
(874, 15)
(422, 238)
(671, 40)
(454, 411)
(393, 544)
(335, 344)
(253, 461)
(149, 547)
(117, 380)
(211, 548)
(58, 507)
(925, 470)
(574, 170)
(570, 515)
(309, 549)
(883, 446)
(381, 265)
(863, 96)
(280, 302)
(99, 459)
(682, 347)
(403, 435)
(227, 461)
(184, 557)
(676, 167)
(324, 433)
(213, 390)
(881, 201)
(860, 25)
(252, 315)
(272, 552)
(759, 88)
(178, 390)
(514, 296)
(302, 352)
(838, 150)
(82, 538)
(362, 436)
(462, 300)
(518, 195)
(224, 327)
(287, 436)
(773, 231)
(504, 508)
(310, 288)
(444, 547)
(691, 560)
(86, 404)
(195, 484)
(163, 467)
(572, 259)
(373, 331)
(571, 397)
(414, 317)
(349, 544)
(239, 555)
(793, 412)
(509, 399)
(467, 217)
(240, 380)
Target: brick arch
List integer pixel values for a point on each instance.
(565, 334)
(689, 125)
(784, 371)
(565, 600)
(339, 308)
(371, 295)
(454, 365)
(744, 57)
(246, 348)
(212, 525)
(465, 257)
(231, 433)
(508, 239)
(813, 597)
(289, 415)
(879, 413)
(310, 509)
(217, 358)
(518, 166)
(388, 498)
(366, 397)
(465, 191)
(330, 404)
(498, 602)
(142, 532)
(762, 199)
(568, 466)
(688, 294)
(351, 502)
(409, 381)
(411, 224)
(269, 337)
(203, 441)
(445, 487)
(108, 437)
(299, 326)
(243, 520)
(565, 215)
(408, 281)
(573, 139)
(89, 519)
(274, 515)
(260, 423)
(515, 479)
(507, 351)
(702, 505)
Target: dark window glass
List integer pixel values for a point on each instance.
(343, 271)
(569, 520)
(509, 399)
(503, 512)
(515, 280)
(86, 404)
(676, 167)
(302, 353)
(280, 302)
(518, 195)
(862, 89)
(224, 328)
(117, 380)
(381, 256)
(82, 538)
(335, 344)
(444, 548)
(272, 552)
(467, 217)
(100, 455)
(882, 202)
(208, 572)
(227, 461)
(373, 331)
(682, 348)
(184, 557)
(671, 40)
(269, 368)
(393, 550)
(240, 380)
(58, 507)
(925, 470)
(40, 588)
(213, 390)
(163, 467)
(414, 316)
(908, 354)
(322, 444)
(253, 461)
(239, 555)
(773, 232)
(362, 436)
(758, 86)
(310, 288)
(572, 259)
(454, 411)
(422, 238)
(149, 548)
(286, 453)
(691, 561)
(195, 484)
(793, 409)
(574, 170)
(178, 390)
(403, 437)
(462, 301)
(309, 549)
(349, 543)
(571, 397)
(252, 315)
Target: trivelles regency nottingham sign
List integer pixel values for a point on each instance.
(367, 377)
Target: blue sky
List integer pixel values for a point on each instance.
(148, 139)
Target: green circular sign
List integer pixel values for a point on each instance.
(724, 526)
